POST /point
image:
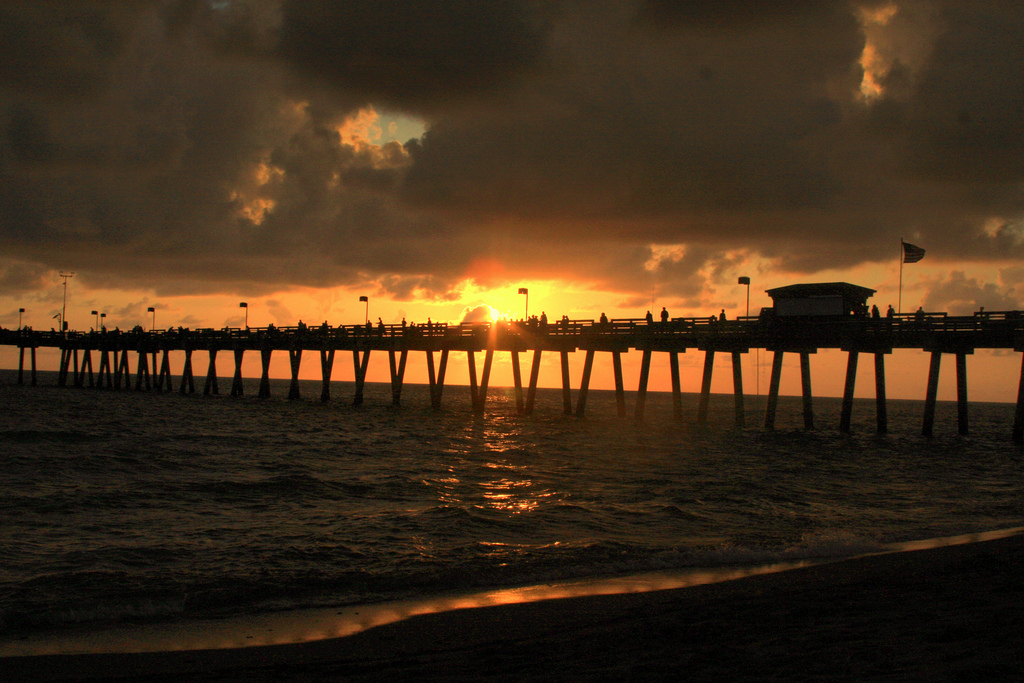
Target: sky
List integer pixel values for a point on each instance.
(610, 155)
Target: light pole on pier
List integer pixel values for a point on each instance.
(744, 280)
(366, 299)
(245, 305)
(153, 311)
(103, 324)
(20, 311)
(526, 292)
(64, 307)
(97, 314)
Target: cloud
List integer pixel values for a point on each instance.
(961, 295)
(194, 147)
(411, 54)
(481, 313)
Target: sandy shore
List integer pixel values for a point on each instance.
(947, 613)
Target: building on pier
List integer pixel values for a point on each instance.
(820, 299)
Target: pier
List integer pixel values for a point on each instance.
(150, 352)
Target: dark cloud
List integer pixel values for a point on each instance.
(966, 121)
(644, 146)
(714, 14)
(63, 48)
(411, 54)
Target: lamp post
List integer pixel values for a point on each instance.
(97, 314)
(526, 292)
(20, 311)
(744, 280)
(366, 299)
(64, 307)
(245, 305)
(153, 311)
(103, 322)
(60, 320)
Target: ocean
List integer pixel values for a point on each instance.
(128, 508)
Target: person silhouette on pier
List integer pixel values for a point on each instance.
(649, 318)
(890, 314)
(664, 315)
(721, 316)
(875, 313)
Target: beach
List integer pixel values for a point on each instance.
(949, 613)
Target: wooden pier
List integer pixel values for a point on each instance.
(933, 333)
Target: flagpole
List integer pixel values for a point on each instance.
(899, 301)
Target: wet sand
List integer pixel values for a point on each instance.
(947, 613)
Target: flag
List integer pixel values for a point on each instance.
(912, 253)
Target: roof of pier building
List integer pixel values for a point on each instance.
(820, 298)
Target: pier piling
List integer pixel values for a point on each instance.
(846, 415)
(933, 390)
(805, 385)
(737, 389)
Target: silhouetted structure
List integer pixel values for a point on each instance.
(935, 333)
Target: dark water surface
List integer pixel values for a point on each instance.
(124, 506)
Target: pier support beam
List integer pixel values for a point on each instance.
(397, 375)
(588, 366)
(1018, 417)
(485, 378)
(933, 390)
(478, 392)
(846, 415)
(236, 384)
(474, 399)
(142, 372)
(677, 394)
(105, 378)
(165, 372)
(961, 393)
(360, 364)
(705, 387)
(436, 384)
(737, 388)
(86, 367)
(65, 364)
(620, 387)
(517, 381)
(641, 392)
(188, 382)
(773, 391)
(21, 365)
(122, 370)
(531, 391)
(265, 355)
(295, 360)
(326, 365)
(566, 388)
(805, 386)
(211, 375)
(881, 416)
